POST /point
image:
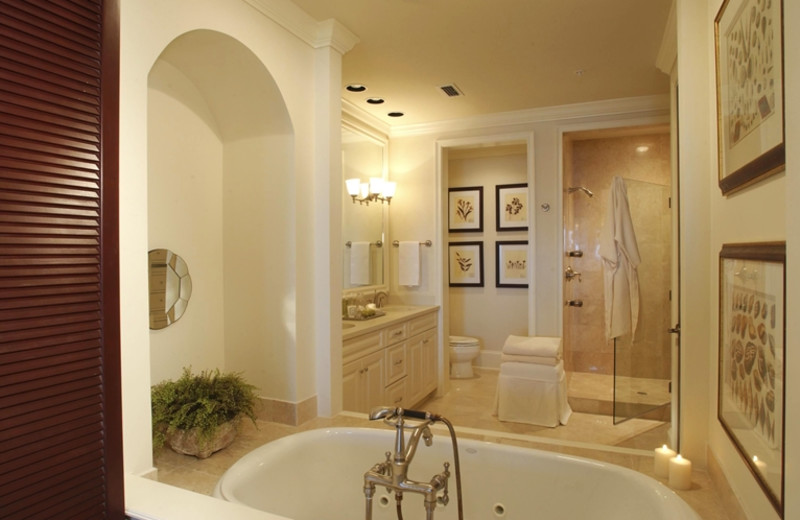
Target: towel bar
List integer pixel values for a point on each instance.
(427, 243)
(377, 244)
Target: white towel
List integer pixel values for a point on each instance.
(542, 346)
(409, 263)
(359, 263)
(620, 255)
(536, 360)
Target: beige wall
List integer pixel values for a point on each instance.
(765, 211)
(488, 313)
(300, 72)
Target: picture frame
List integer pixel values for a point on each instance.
(465, 260)
(512, 207)
(511, 263)
(465, 209)
(752, 348)
(750, 110)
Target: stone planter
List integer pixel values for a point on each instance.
(189, 442)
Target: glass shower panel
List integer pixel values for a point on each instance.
(642, 365)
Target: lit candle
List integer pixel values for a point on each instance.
(662, 457)
(680, 473)
(760, 465)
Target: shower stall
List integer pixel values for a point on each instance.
(626, 376)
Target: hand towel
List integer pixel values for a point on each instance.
(620, 254)
(542, 346)
(409, 264)
(359, 263)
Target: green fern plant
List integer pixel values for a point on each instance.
(203, 401)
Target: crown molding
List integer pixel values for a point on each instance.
(351, 111)
(328, 33)
(639, 106)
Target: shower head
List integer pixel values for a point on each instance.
(573, 189)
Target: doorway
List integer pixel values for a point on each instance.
(625, 377)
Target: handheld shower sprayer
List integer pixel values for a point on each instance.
(388, 413)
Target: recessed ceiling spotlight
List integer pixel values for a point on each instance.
(643, 148)
(395, 114)
(375, 101)
(356, 88)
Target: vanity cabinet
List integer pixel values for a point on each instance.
(394, 364)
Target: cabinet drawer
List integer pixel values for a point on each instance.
(422, 323)
(396, 333)
(362, 345)
(396, 394)
(396, 363)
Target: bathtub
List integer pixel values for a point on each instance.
(318, 475)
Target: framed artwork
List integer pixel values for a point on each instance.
(752, 348)
(466, 264)
(512, 207)
(465, 209)
(511, 263)
(748, 38)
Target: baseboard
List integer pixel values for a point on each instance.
(730, 504)
(284, 412)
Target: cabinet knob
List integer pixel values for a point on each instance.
(398, 362)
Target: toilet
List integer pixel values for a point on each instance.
(462, 351)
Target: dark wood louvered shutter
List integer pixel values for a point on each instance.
(60, 416)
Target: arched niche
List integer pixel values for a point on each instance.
(221, 192)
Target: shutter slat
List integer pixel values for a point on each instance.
(60, 433)
(49, 422)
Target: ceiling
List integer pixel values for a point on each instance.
(503, 55)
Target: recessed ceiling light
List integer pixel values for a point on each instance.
(395, 114)
(356, 88)
(643, 148)
(375, 101)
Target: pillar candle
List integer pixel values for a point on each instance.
(680, 473)
(662, 458)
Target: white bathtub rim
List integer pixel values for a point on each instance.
(222, 489)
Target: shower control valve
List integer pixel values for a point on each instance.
(571, 273)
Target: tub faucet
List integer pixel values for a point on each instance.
(393, 472)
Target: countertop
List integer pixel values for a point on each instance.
(394, 313)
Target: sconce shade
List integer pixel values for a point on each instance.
(353, 187)
(388, 189)
(375, 185)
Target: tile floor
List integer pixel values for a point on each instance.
(468, 405)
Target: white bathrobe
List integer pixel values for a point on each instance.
(620, 256)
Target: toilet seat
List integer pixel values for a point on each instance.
(463, 341)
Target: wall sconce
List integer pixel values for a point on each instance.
(376, 190)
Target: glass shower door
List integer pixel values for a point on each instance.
(642, 365)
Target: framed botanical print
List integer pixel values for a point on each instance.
(752, 349)
(512, 207)
(750, 110)
(466, 264)
(511, 263)
(465, 209)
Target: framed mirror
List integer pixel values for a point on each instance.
(170, 287)
(364, 248)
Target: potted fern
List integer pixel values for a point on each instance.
(199, 414)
